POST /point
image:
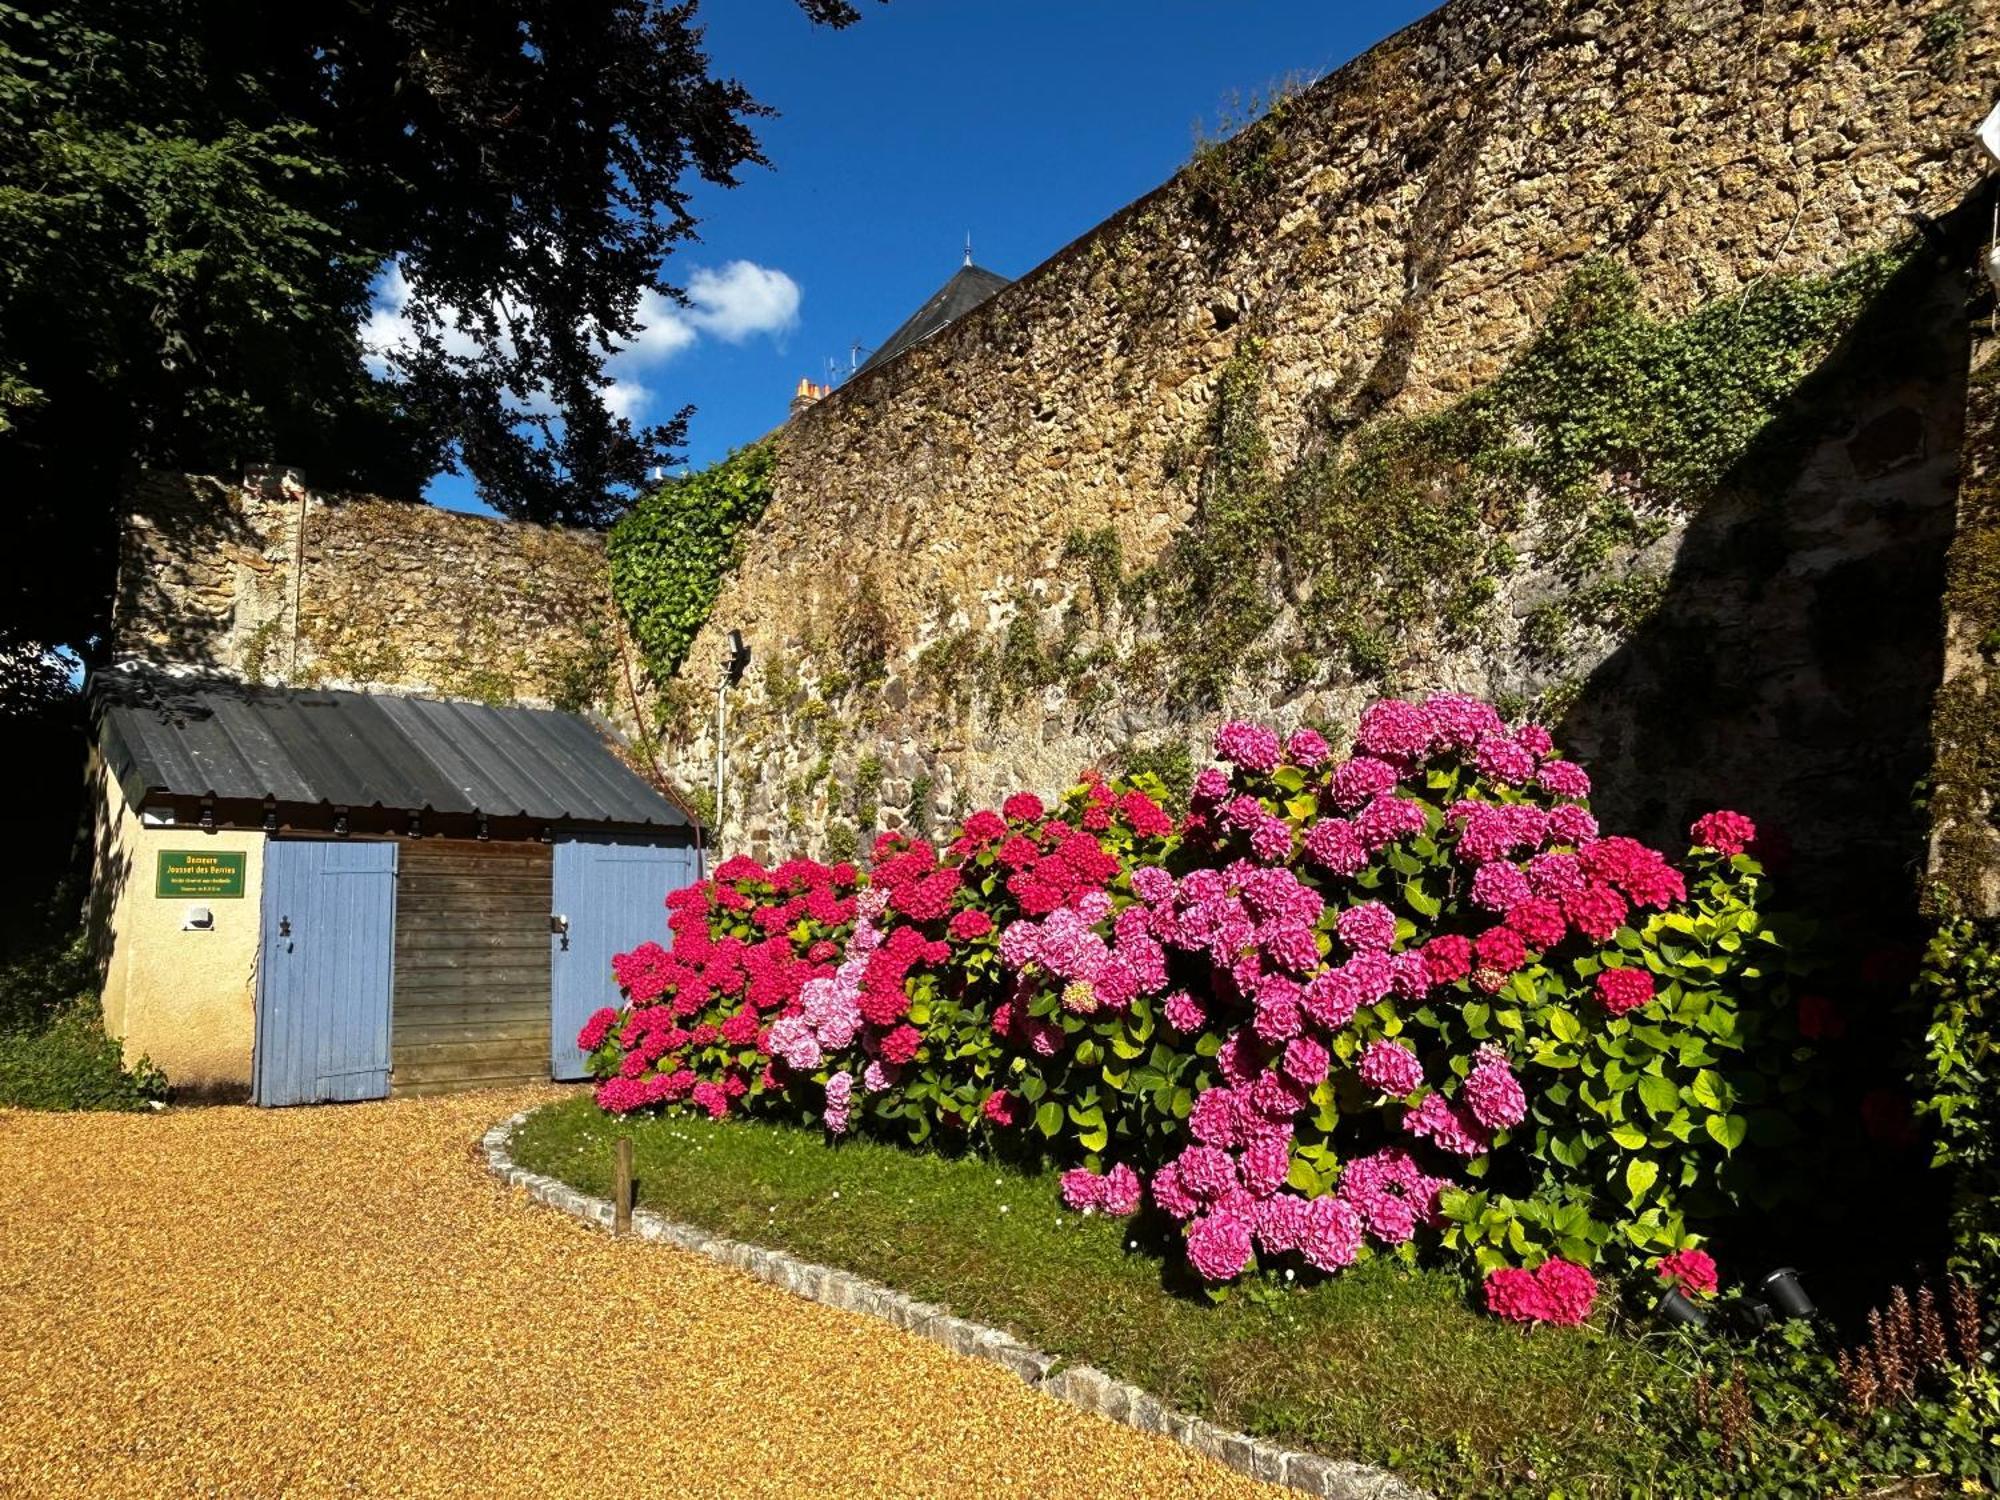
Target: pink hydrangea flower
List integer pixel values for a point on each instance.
(1359, 781)
(1459, 722)
(1393, 728)
(1122, 1191)
(1514, 1294)
(1571, 824)
(1218, 1246)
(1281, 1222)
(1335, 845)
(1307, 747)
(1206, 1172)
(1183, 1012)
(1555, 875)
(1436, 1119)
(1271, 840)
(1499, 885)
(1563, 778)
(1082, 1190)
(1264, 1164)
(1305, 1062)
(1390, 1068)
(1505, 760)
(1368, 927)
(1492, 1092)
(1570, 1289)
(1152, 885)
(1539, 921)
(1387, 819)
(1251, 746)
(1332, 998)
(1212, 1121)
(1172, 1196)
(1597, 910)
(1330, 1237)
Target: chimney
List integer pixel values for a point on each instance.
(806, 395)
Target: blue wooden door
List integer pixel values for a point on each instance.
(610, 896)
(324, 974)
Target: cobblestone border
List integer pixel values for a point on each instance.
(1080, 1385)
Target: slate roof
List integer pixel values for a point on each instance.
(163, 733)
(971, 286)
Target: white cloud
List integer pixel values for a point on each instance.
(626, 398)
(732, 304)
(741, 299)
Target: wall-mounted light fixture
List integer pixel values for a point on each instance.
(483, 834)
(734, 665)
(416, 828)
(340, 822)
(270, 815)
(208, 815)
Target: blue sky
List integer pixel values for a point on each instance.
(1025, 122)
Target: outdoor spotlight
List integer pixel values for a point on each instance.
(1678, 1308)
(340, 822)
(208, 815)
(1782, 1287)
(270, 815)
(484, 835)
(739, 658)
(416, 828)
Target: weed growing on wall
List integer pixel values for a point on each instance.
(1609, 425)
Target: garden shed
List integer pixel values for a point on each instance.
(305, 895)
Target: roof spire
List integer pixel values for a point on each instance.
(968, 247)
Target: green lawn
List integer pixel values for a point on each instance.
(1383, 1363)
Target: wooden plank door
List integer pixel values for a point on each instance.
(472, 965)
(324, 974)
(610, 896)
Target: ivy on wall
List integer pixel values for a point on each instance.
(670, 552)
(1604, 426)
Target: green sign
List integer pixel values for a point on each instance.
(216, 874)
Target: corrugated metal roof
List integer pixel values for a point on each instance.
(167, 734)
(968, 287)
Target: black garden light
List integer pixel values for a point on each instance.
(1786, 1294)
(1681, 1310)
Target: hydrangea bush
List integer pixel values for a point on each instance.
(1345, 1006)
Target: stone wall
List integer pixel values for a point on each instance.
(382, 594)
(1387, 244)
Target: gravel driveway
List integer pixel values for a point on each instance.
(338, 1300)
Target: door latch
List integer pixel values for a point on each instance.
(559, 925)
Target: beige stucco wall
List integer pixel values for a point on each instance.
(187, 1000)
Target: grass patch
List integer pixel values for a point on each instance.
(53, 1050)
(1386, 1363)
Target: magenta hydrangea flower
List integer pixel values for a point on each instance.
(1271, 840)
(1183, 1012)
(1556, 875)
(1368, 927)
(839, 1090)
(1206, 1172)
(1212, 1121)
(1330, 1237)
(1281, 1223)
(1306, 1062)
(1123, 1191)
(1459, 722)
(1292, 945)
(1332, 999)
(1505, 761)
(1251, 746)
(1622, 990)
(1152, 885)
(1410, 976)
(1436, 1119)
(1727, 833)
(1359, 781)
(1307, 747)
(1563, 778)
(1387, 819)
(1571, 824)
(1499, 885)
(1082, 1190)
(1218, 1246)
(1169, 1192)
(1335, 845)
(1390, 1068)
(1540, 922)
(1264, 1164)
(1393, 728)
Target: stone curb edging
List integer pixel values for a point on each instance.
(1081, 1386)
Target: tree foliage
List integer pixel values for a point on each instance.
(197, 197)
